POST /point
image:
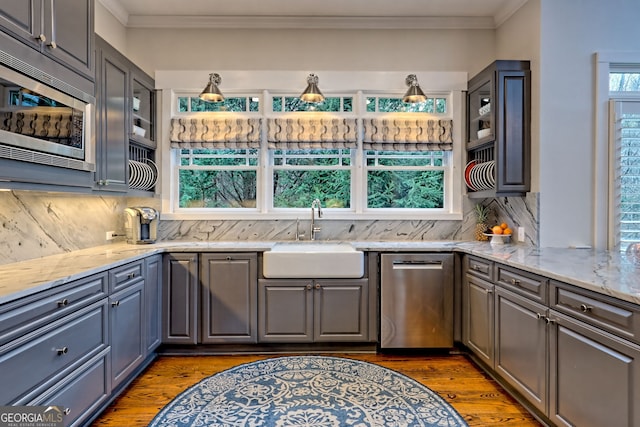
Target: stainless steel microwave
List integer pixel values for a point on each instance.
(42, 123)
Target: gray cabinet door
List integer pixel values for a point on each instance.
(285, 311)
(22, 19)
(68, 27)
(229, 295)
(112, 134)
(180, 299)
(478, 318)
(153, 302)
(340, 310)
(594, 376)
(521, 345)
(126, 321)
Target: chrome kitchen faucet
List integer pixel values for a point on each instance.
(314, 229)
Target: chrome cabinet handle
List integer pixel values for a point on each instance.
(585, 308)
(475, 267)
(549, 321)
(229, 258)
(42, 38)
(515, 281)
(131, 275)
(63, 302)
(309, 287)
(67, 411)
(53, 44)
(539, 316)
(115, 303)
(318, 286)
(62, 350)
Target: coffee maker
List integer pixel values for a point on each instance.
(141, 225)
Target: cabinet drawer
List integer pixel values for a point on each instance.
(121, 277)
(50, 352)
(480, 267)
(618, 317)
(82, 392)
(24, 315)
(522, 282)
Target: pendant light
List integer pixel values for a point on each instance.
(414, 95)
(211, 92)
(312, 92)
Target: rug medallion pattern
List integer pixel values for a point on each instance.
(308, 391)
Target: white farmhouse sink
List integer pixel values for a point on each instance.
(313, 260)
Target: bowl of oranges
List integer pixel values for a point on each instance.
(499, 234)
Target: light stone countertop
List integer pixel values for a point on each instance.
(603, 272)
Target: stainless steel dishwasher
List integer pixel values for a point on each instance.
(416, 300)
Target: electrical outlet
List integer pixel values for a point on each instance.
(521, 234)
(110, 235)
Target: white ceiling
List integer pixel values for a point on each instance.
(358, 14)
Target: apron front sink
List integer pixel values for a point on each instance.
(313, 260)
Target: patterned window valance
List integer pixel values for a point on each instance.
(309, 133)
(215, 133)
(407, 134)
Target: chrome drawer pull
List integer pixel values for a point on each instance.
(62, 351)
(515, 281)
(585, 308)
(115, 303)
(549, 321)
(131, 275)
(309, 287)
(63, 302)
(475, 267)
(539, 316)
(67, 411)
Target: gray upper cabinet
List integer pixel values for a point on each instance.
(180, 299)
(126, 109)
(112, 131)
(61, 30)
(307, 310)
(498, 126)
(228, 295)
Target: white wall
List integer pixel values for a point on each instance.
(312, 50)
(110, 29)
(571, 32)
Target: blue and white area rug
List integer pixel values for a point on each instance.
(308, 391)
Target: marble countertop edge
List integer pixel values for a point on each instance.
(600, 271)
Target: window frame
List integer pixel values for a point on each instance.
(357, 210)
(605, 226)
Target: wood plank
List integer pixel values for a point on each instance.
(477, 397)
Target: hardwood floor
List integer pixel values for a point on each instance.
(478, 398)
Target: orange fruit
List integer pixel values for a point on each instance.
(504, 226)
(507, 231)
(496, 229)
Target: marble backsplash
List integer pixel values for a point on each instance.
(38, 224)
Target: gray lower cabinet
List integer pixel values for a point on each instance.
(153, 302)
(304, 311)
(521, 345)
(228, 298)
(180, 298)
(594, 376)
(572, 354)
(478, 318)
(126, 320)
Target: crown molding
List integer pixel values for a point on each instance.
(506, 13)
(310, 22)
(115, 8)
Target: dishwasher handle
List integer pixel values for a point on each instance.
(417, 265)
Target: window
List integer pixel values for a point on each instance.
(625, 121)
(354, 170)
(405, 180)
